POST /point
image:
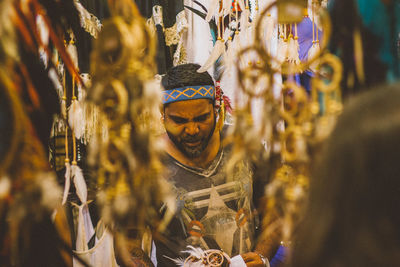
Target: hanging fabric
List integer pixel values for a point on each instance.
(168, 19)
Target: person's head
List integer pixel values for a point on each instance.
(188, 111)
(353, 214)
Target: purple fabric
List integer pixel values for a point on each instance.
(304, 32)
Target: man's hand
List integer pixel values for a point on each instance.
(252, 259)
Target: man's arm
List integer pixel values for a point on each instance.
(268, 241)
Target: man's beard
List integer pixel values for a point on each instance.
(192, 152)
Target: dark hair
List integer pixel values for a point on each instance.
(185, 75)
(353, 214)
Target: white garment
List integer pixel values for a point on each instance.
(237, 261)
(101, 255)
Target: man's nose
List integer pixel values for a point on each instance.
(191, 128)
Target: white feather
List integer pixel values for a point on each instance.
(212, 8)
(178, 261)
(244, 20)
(67, 182)
(73, 53)
(241, 4)
(226, 6)
(269, 27)
(79, 182)
(217, 51)
(43, 30)
(56, 81)
(76, 118)
(195, 252)
(229, 55)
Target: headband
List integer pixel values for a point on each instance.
(188, 93)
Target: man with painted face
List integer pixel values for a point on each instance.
(214, 211)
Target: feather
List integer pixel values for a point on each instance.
(67, 182)
(64, 108)
(52, 73)
(73, 53)
(217, 51)
(241, 4)
(76, 118)
(178, 261)
(312, 53)
(200, 5)
(79, 182)
(269, 27)
(195, 252)
(211, 23)
(198, 13)
(269, 30)
(231, 53)
(244, 19)
(226, 6)
(43, 30)
(212, 8)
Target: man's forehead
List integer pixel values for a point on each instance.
(189, 107)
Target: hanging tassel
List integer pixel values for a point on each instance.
(67, 170)
(312, 53)
(293, 52)
(282, 50)
(213, 6)
(77, 176)
(64, 100)
(64, 107)
(296, 45)
(76, 115)
(244, 20)
(245, 29)
(315, 48)
(67, 181)
(269, 30)
(76, 118)
(217, 51)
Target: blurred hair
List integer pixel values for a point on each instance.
(353, 217)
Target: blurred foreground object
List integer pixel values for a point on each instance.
(352, 216)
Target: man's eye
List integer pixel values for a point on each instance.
(178, 120)
(201, 118)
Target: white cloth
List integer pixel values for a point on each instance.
(237, 261)
(101, 255)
